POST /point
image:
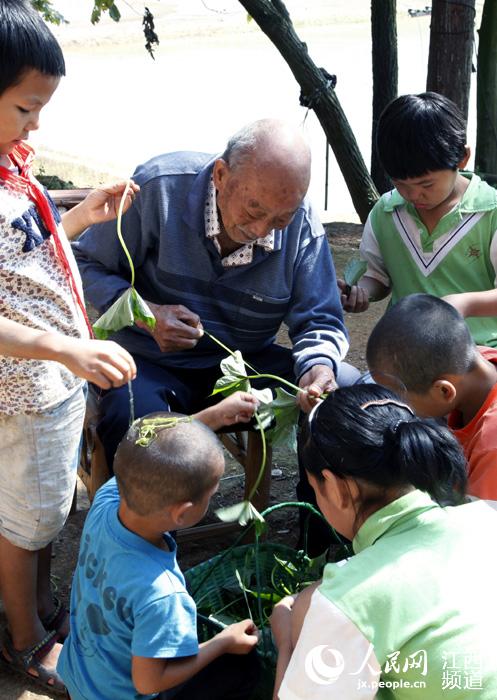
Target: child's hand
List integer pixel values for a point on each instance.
(237, 408)
(281, 622)
(99, 205)
(101, 362)
(240, 638)
(354, 299)
(102, 204)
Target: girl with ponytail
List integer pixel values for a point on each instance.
(417, 599)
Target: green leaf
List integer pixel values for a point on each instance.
(226, 387)
(95, 15)
(242, 513)
(114, 13)
(354, 270)
(129, 308)
(265, 398)
(234, 375)
(284, 411)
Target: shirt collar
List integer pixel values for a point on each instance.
(475, 198)
(392, 517)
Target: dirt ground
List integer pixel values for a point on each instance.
(344, 239)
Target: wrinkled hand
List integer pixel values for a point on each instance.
(101, 362)
(176, 328)
(320, 379)
(281, 621)
(102, 204)
(241, 637)
(357, 299)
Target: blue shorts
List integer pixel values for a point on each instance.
(39, 456)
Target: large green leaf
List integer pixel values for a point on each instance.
(354, 270)
(242, 512)
(129, 308)
(234, 377)
(282, 412)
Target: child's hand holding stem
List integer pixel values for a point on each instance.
(102, 362)
(237, 408)
(240, 637)
(101, 204)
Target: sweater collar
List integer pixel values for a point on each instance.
(396, 516)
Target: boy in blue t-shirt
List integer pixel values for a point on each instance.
(133, 624)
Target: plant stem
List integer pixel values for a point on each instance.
(120, 235)
(263, 461)
(276, 378)
(225, 347)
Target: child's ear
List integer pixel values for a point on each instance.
(338, 489)
(179, 512)
(443, 390)
(464, 161)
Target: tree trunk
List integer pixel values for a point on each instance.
(486, 92)
(451, 48)
(385, 75)
(274, 20)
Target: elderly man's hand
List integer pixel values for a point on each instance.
(320, 379)
(176, 328)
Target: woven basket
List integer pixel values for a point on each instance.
(214, 583)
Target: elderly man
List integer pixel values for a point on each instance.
(230, 244)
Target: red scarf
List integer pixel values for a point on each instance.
(26, 184)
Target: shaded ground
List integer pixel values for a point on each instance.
(344, 239)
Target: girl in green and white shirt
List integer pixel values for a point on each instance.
(412, 614)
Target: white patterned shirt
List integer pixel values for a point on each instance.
(35, 292)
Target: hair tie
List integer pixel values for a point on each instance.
(396, 425)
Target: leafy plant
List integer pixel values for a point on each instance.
(354, 270)
(130, 306)
(279, 414)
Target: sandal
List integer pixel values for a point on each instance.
(56, 619)
(28, 660)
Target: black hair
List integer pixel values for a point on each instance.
(179, 464)
(366, 434)
(26, 43)
(418, 340)
(420, 133)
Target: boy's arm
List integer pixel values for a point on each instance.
(156, 675)
(102, 362)
(237, 408)
(474, 303)
(98, 206)
(367, 289)
(375, 283)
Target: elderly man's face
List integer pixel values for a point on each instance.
(253, 201)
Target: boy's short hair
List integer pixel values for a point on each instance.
(26, 43)
(418, 340)
(420, 133)
(175, 467)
